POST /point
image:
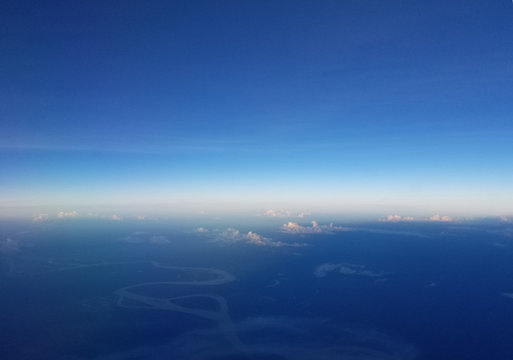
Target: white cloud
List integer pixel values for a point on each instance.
(295, 228)
(254, 238)
(437, 217)
(9, 246)
(346, 269)
(40, 217)
(201, 230)
(141, 217)
(64, 214)
(232, 235)
(276, 213)
(397, 218)
(116, 217)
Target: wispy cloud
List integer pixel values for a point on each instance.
(40, 217)
(508, 295)
(9, 246)
(315, 228)
(116, 217)
(201, 229)
(346, 269)
(68, 214)
(507, 232)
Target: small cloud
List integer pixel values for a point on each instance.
(437, 217)
(315, 228)
(64, 214)
(40, 217)
(504, 219)
(254, 238)
(201, 229)
(397, 218)
(346, 269)
(9, 246)
(141, 217)
(116, 217)
(230, 235)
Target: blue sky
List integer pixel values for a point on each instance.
(370, 107)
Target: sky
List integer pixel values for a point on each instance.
(346, 107)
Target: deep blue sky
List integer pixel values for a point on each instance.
(367, 106)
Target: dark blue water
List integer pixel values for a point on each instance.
(98, 290)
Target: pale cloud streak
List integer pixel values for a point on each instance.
(397, 218)
(9, 246)
(315, 228)
(40, 217)
(508, 295)
(69, 214)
